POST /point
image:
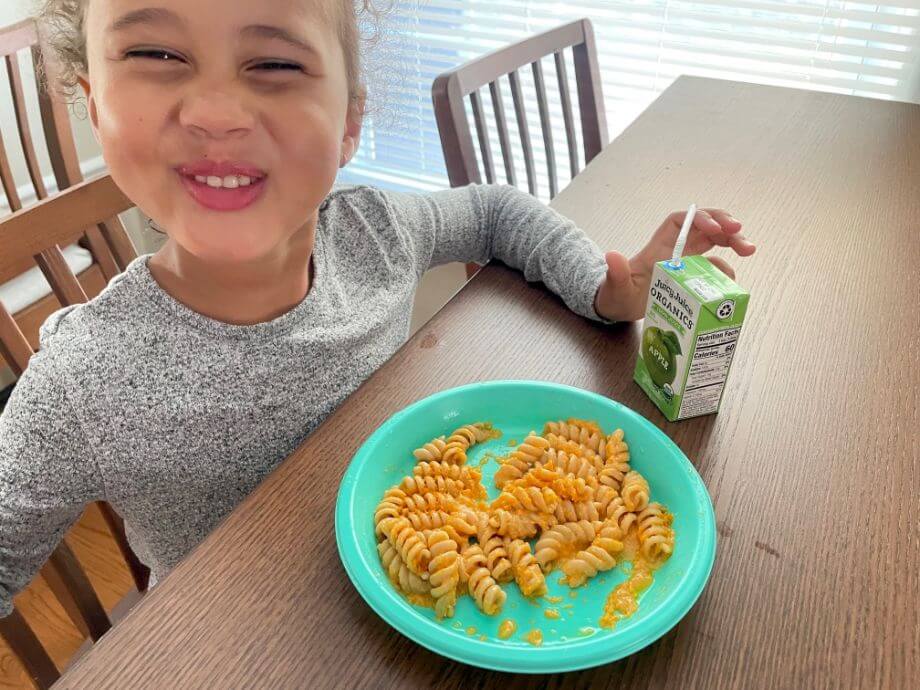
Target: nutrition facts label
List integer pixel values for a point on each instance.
(708, 371)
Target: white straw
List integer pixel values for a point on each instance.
(684, 231)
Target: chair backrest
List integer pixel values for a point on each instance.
(70, 586)
(451, 88)
(35, 234)
(107, 240)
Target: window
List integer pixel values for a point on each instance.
(643, 45)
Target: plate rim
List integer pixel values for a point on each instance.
(518, 659)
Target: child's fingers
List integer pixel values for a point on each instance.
(618, 269)
(722, 265)
(726, 220)
(740, 245)
(722, 230)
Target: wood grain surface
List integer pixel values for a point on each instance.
(812, 463)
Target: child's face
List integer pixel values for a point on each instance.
(251, 91)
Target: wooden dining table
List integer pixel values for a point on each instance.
(811, 462)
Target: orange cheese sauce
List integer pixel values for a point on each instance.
(471, 631)
(506, 629)
(551, 613)
(421, 600)
(534, 637)
(623, 600)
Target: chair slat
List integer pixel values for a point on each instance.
(546, 128)
(139, 572)
(503, 139)
(20, 638)
(115, 234)
(590, 100)
(22, 122)
(63, 282)
(56, 219)
(102, 253)
(7, 181)
(483, 135)
(72, 588)
(14, 346)
(520, 113)
(56, 124)
(567, 116)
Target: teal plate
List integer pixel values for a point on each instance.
(574, 640)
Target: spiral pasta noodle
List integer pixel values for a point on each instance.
(635, 491)
(618, 513)
(656, 538)
(493, 548)
(526, 570)
(601, 555)
(563, 538)
(487, 594)
(571, 463)
(400, 575)
(443, 572)
(408, 543)
(521, 459)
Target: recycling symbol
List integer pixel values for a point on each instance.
(725, 310)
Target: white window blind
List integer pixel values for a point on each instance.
(844, 47)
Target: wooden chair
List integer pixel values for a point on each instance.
(36, 234)
(107, 242)
(452, 87)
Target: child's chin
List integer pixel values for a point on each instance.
(226, 245)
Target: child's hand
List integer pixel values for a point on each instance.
(623, 294)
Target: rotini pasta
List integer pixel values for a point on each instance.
(487, 594)
(408, 543)
(656, 538)
(527, 571)
(566, 538)
(568, 499)
(443, 572)
(399, 574)
(543, 500)
(521, 459)
(634, 491)
(586, 434)
(420, 484)
(601, 555)
(493, 548)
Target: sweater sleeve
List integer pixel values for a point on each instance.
(47, 474)
(477, 223)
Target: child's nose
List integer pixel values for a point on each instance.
(215, 115)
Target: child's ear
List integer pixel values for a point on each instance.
(353, 121)
(90, 104)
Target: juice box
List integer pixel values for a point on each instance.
(692, 323)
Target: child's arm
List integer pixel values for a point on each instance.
(47, 474)
(481, 222)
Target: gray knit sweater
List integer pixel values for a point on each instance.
(173, 417)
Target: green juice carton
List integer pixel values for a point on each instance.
(692, 322)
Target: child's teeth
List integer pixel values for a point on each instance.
(228, 182)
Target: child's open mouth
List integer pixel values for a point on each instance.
(222, 186)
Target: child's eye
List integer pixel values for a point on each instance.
(157, 54)
(277, 66)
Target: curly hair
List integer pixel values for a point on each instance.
(63, 32)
